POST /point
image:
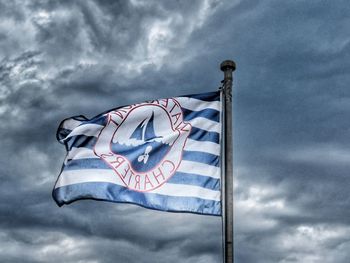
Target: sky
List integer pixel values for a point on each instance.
(291, 102)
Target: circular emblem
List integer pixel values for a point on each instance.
(143, 143)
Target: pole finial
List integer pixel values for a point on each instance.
(228, 65)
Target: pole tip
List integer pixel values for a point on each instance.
(228, 64)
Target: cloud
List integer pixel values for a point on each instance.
(52, 58)
(291, 103)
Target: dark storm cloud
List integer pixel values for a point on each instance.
(290, 133)
(55, 55)
(291, 102)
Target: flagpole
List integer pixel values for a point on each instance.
(228, 66)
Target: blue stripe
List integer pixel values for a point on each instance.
(81, 141)
(178, 177)
(201, 157)
(203, 135)
(100, 120)
(62, 134)
(115, 193)
(88, 163)
(79, 118)
(78, 140)
(209, 96)
(89, 141)
(195, 179)
(209, 114)
(195, 156)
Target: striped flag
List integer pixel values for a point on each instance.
(162, 154)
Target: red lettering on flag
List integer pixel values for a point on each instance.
(160, 173)
(137, 181)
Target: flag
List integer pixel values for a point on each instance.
(161, 154)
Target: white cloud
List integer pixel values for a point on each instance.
(313, 243)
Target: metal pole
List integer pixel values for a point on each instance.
(228, 66)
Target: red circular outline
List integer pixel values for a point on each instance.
(128, 162)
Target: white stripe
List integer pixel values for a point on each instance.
(197, 105)
(186, 102)
(183, 190)
(70, 124)
(199, 168)
(205, 124)
(94, 129)
(207, 147)
(108, 176)
(87, 130)
(185, 166)
(87, 175)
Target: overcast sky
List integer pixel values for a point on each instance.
(291, 124)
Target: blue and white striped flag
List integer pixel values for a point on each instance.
(162, 154)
